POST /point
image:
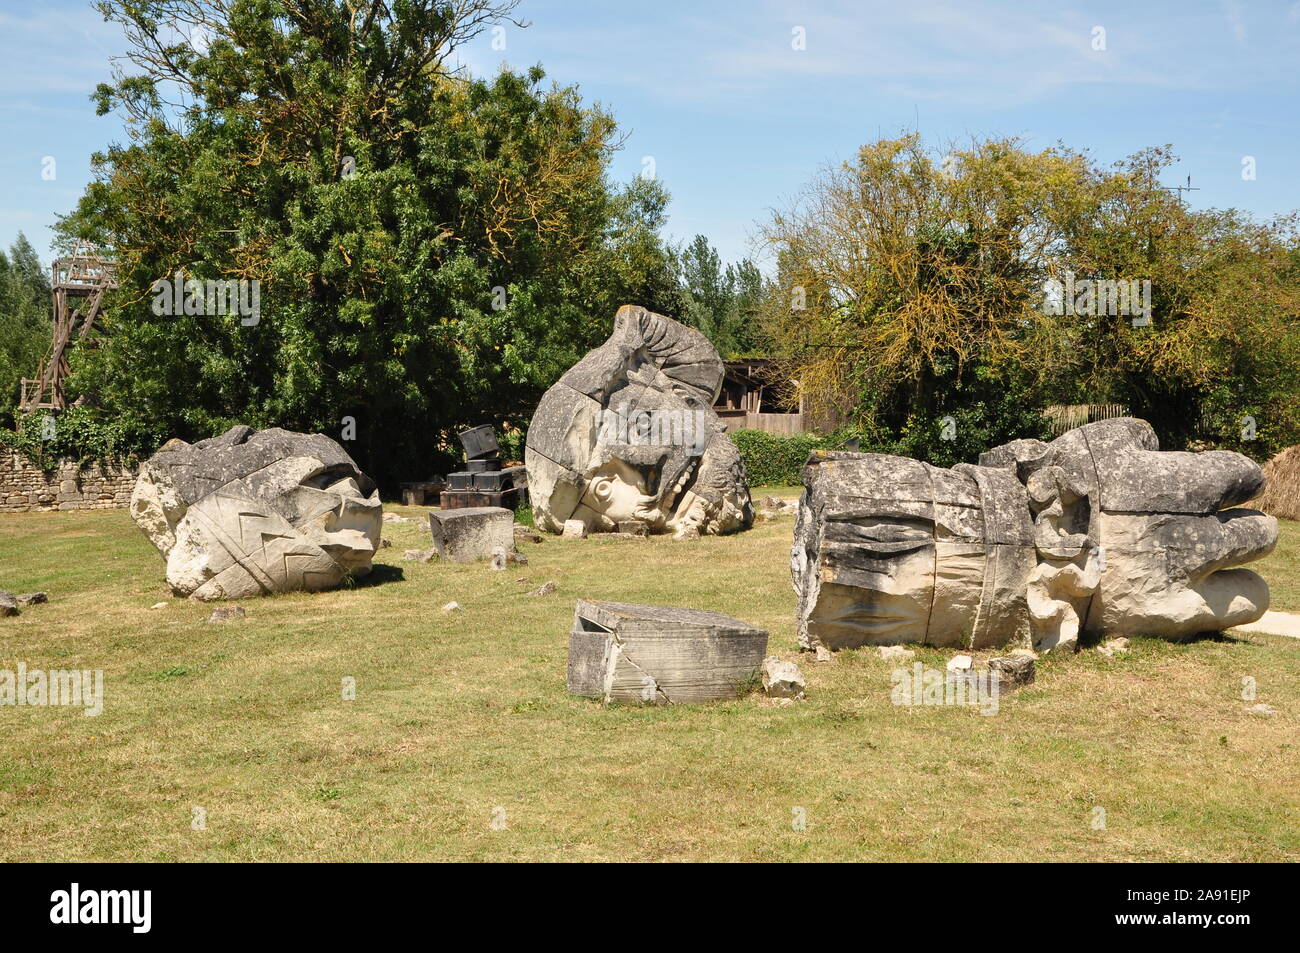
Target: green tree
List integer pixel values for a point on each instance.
(25, 322)
(911, 288)
(432, 250)
(1219, 358)
(745, 313)
(722, 302)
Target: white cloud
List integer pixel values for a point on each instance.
(55, 49)
(1233, 10)
(984, 53)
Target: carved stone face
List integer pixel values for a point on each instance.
(250, 513)
(628, 433)
(1096, 532)
(1145, 538)
(889, 550)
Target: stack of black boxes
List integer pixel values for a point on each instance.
(483, 482)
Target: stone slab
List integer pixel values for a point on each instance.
(470, 534)
(637, 654)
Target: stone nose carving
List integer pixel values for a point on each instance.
(1169, 541)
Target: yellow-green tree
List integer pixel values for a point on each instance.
(914, 286)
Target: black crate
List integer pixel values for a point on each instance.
(492, 480)
(510, 499)
(480, 443)
(500, 479)
(460, 481)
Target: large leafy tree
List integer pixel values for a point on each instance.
(432, 250)
(911, 290)
(1220, 358)
(908, 289)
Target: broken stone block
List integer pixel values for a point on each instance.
(782, 679)
(470, 534)
(498, 560)
(889, 550)
(419, 555)
(895, 653)
(451, 607)
(159, 605)
(8, 603)
(660, 655)
(32, 598)
(633, 527)
(545, 589)
(227, 614)
(574, 529)
(823, 654)
(1013, 671)
(960, 663)
(1261, 709)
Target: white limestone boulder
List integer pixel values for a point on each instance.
(629, 434)
(251, 513)
(472, 533)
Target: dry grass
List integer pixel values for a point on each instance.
(1281, 496)
(457, 715)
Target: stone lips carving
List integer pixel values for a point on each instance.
(1096, 532)
(651, 365)
(254, 512)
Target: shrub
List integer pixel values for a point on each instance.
(778, 460)
(983, 422)
(81, 435)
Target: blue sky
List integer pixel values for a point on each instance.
(737, 120)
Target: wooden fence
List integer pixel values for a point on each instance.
(1063, 417)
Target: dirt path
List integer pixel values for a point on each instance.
(1275, 623)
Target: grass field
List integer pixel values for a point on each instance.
(459, 718)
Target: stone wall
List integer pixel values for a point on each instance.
(25, 487)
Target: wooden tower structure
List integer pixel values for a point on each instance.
(80, 281)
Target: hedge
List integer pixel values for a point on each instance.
(776, 460)
(79, 434)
